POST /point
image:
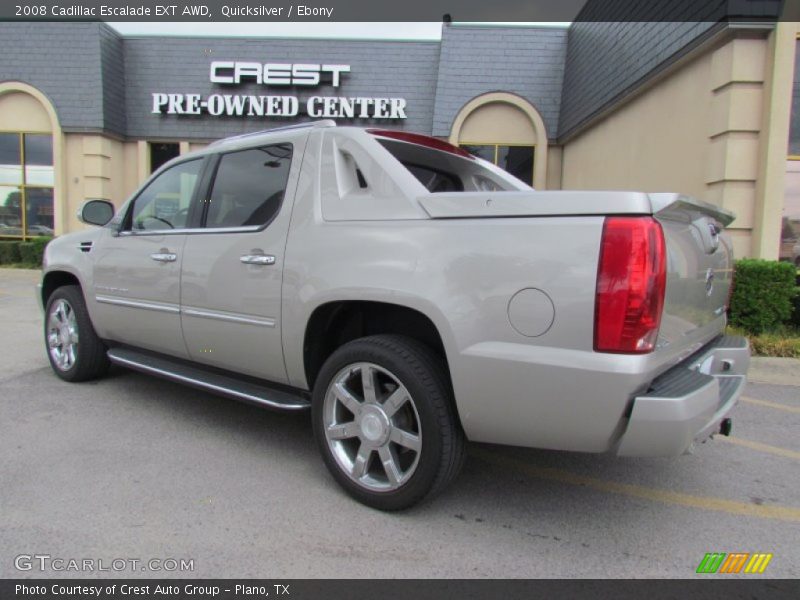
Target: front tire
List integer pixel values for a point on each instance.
(385, 422)
(75, 351)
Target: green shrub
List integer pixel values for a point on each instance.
(9, 252)
(796, 313)
(762, 294)
(31, 252)
(785, 342)
(27, 251)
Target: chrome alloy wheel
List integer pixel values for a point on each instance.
(62, 334)
(372, 427)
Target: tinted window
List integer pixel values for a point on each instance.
(26, 184)
(165, 202)
(435, 180)
(484, 152)
(39, 211)
(443, 171)
(39, 159)
(161, 153)
(10, 159)
(794, 125)
(249, 186)
(38, 149)
(517, 160)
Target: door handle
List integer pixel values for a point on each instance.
(257, 259)
(164, 257)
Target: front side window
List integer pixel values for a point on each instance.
(165, 202)
(249, 186)
(26, 184)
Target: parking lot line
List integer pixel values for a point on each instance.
(768, 404)
(760, 447)
(780, 513)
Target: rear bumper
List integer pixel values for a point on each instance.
(688, 402)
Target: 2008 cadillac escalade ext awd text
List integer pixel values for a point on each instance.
(412, 296)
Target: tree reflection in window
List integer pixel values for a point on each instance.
(26, 184)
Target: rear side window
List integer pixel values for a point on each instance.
(249, 186)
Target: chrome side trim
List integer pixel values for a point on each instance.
(169, 308)
(247, 229)
(232, 317)
(226, 391)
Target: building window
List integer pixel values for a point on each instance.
(790, 222)
(790, 217)
(162, 152)
(26, 184)
(794, 125)
(516, 159)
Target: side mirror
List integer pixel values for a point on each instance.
(96, 212)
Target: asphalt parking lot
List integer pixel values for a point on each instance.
(137, 468)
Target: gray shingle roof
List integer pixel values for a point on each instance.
(62, 60)
(99, 81)
(474, 60)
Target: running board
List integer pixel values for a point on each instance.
(198, 377)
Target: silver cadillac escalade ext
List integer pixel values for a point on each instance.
(412, 296)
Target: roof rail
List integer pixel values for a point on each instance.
(306, 125)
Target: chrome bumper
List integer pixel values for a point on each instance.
(688, 402)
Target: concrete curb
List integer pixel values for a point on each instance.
(7, 272)
(779, 371)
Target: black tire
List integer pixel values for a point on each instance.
(90, 360)
(425, 378)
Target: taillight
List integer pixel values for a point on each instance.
(420, 140)
(631, 281)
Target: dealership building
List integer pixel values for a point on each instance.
(710, 109)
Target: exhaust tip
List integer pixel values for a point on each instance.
(725, 427)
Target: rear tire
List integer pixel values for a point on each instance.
(73, 348)
(385, 421)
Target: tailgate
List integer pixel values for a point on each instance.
(699, 265)
(699, 253)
